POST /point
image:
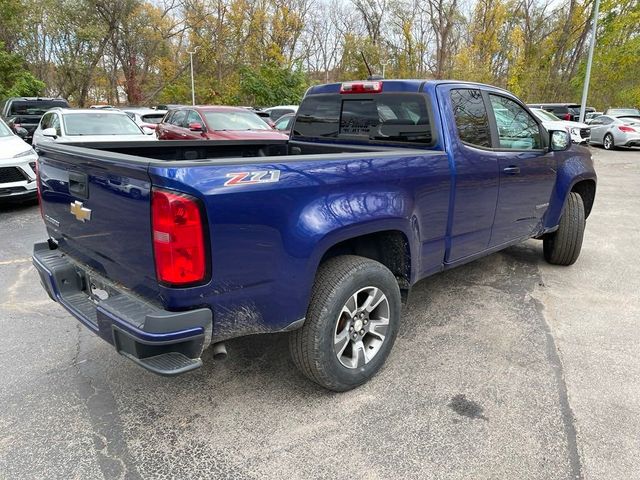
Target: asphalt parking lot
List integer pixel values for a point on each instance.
(505, 368)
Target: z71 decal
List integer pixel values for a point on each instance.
(251, 178)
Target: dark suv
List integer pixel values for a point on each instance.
(23, 114)
(564, 111)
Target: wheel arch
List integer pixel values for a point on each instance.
(389, 247)
(587, 190)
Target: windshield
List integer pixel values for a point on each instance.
(623, 111)
(234, 120)
(35, 107)
(4, 130)
(544, 115)
(99, 124)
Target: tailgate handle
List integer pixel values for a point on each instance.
(79, 184)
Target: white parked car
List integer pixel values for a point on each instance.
(145, 117)
(276, 112)
(17, 166)
(63, 125)
(580, 132)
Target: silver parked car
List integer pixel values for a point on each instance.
(622, 112)
(612, 132)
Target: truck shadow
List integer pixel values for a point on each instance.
(15, 206)
(263, 364)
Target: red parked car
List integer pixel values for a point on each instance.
(215, 123)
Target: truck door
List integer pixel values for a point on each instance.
(476, 171)
(527, 169)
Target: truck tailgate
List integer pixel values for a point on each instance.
(98, 211)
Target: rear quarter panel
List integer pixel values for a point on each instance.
(268, 239)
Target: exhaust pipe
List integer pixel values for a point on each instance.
(219, 351)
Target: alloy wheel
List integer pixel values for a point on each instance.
(361, 327)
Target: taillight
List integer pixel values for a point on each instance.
(178, 238)
(567, 116)
(361, 87)
(37, 170)
(625, 129)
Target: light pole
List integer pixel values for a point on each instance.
(384, 64)
(587, 76)
(193, 91)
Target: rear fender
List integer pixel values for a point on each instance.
(333, 219)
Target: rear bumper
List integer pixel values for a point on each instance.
(163, 342)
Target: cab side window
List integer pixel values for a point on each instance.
(471, 117)
(517, 129)
(55, 123)
(46, 121)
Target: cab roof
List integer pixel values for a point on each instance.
(396, 86)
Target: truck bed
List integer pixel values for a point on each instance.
(238, 152)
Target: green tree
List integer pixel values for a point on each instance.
(271, 84)
(15, 80)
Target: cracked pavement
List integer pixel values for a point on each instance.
(504, 368)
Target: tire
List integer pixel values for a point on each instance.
(563, 246)
(343, 286)
(607, 142)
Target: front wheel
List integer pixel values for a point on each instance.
(351, 323)
(563, 246)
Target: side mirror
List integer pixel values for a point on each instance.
(148, 131)
(560, 140)
(196, 127)
(50, 132)
(21, 132)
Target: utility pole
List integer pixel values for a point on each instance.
(193, 91)
(587, 76)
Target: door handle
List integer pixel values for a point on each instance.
(512, 170)
(79, 184)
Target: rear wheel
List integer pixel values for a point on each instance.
(607, 143)
(563, 246)
(351, 324)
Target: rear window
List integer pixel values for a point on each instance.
(385, 118)
(152, 117)
(623, 112)
(35, 107)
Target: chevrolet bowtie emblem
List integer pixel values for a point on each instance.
(81, 213)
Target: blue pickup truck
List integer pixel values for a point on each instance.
(167, 249)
